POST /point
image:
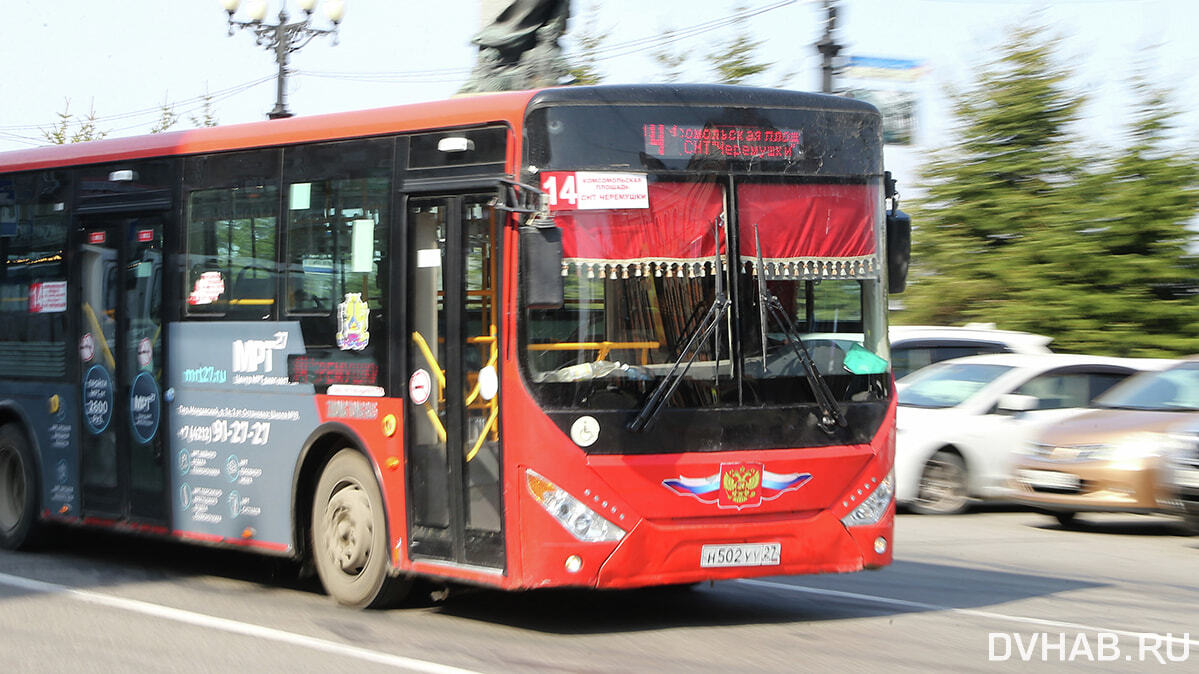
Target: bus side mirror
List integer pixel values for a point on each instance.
(541, 264)
(899, 250)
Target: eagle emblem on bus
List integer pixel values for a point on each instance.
(739, 485)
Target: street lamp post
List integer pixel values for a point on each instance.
(284, 38)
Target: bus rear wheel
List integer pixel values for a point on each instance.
(18, 490)
(349, 535)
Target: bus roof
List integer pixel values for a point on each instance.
(461, 111)
(719, 95)
(454, 112)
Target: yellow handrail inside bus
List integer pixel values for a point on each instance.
(604, 348)
(492, 359)
(495, 412)
(429, 357)
(89, 316)
(434, 419)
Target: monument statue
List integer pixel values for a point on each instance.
(519, 48)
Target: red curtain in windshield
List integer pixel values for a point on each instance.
(806, 231)
(809, 231)
(674, 236)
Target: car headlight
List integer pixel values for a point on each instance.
(874, 506)
(1140, 446)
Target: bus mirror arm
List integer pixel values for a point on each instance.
(521, 198)
(899, 239)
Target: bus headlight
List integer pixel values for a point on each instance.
(874, 506)
(582, 522)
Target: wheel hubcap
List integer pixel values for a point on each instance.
(942, 485)
(349, 530)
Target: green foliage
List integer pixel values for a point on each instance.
(1033, 229)
(167, 119)
(72, 129)
(207, 114)
(670, 61)
(736, 61)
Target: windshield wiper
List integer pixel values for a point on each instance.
(695, 341)
(830, 414)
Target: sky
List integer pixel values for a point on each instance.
(124, 60)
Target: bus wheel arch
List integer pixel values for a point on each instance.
(19, 486)
(341, 518)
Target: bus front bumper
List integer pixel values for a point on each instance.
(673, 552)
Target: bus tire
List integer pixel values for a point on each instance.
(19, 526)
(349, 535)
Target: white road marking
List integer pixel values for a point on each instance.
(234, 626)
(903, 603)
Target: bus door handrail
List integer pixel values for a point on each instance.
(489, 426)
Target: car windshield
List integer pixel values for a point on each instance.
(1173, 389)
(948, 385)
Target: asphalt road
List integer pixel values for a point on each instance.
(999, 590)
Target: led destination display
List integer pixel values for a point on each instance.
(730, 141)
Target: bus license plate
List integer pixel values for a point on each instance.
(1186, 477)
(741, 554)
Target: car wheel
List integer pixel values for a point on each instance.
(1066, 518)
(942, 486)
(349, 535)
(19, 527)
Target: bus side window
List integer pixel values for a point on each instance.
(231, 246)
(33, 278)
(232, 205)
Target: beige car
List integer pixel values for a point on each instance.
(1117, 458)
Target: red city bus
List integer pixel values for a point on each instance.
(606, 337)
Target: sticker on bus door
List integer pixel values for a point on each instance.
(591, 190)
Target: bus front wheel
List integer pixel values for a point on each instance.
(18, 490)
(349, 535)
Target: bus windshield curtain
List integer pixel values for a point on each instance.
(673, 237)
(809, 231)
(806, 231)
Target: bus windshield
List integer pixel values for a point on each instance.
(639, 282)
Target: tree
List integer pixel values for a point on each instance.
(670, 61)
(1027, 227)
(168, 118)
(207, 114)
(85, 128)
(736, 61)
(1143, 291)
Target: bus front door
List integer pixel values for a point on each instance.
(121, 355)
(452, 440)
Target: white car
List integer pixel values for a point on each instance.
(916, 346)
(959, 421)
